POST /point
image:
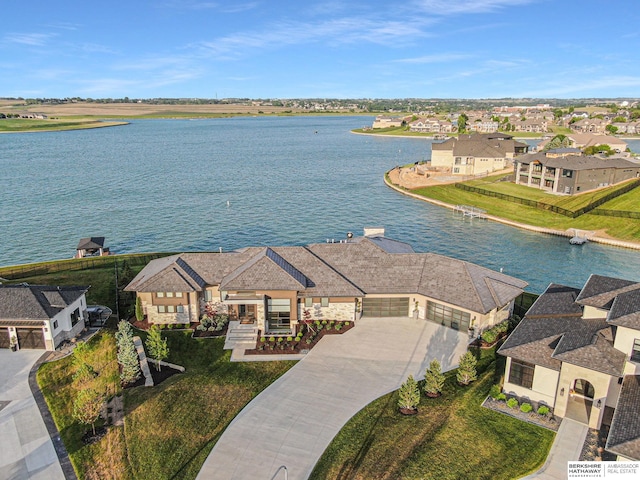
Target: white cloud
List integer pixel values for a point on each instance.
(447, 7)
(435, 58)
(31, 39)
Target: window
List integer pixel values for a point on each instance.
(324, 302)
(635, 352)
(567, 173)
(179, 294)
(75, 316)
(162, 309)
(160, 294)
(521, 373)
(308, 302)
(180, 309)
(171, 309)
(169, 294)
(55, 324)
(208, 295)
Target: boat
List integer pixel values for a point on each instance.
(578, 240)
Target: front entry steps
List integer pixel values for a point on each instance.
(241, 336)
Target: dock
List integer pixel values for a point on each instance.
(579, 237)
(468, 211)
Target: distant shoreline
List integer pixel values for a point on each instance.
(69, 128)
(427, 137)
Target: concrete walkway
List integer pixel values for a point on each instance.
(566, 447)
(26, 448)
(294, 419)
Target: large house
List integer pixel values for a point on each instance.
(477, 153)
(578, 352)
(563, 171)
(584, 140)
(38, 316)
(275, 288)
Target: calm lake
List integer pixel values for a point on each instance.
(192, 185)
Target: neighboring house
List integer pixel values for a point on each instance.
(91, 247)
(482, 125)
(583, 140)
(590, 125)
(570, 174)
(40, 316)
(578, 352)
(386, 121)
(431, 125)
(274, 288)
(476, 154)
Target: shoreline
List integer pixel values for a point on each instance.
(532, 228)
(427, 137)
(102, 124)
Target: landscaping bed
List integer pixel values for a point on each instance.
(546, 421)
(312, 332)
(158, 376)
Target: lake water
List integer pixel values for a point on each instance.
(192, 185)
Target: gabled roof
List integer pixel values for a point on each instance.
(36, 302)
(167, 274)
(624, 435)
(90, 243)
(625, 310)
(600, 291)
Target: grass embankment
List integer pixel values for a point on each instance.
(170, 428)
(620, 228)
(451, 437)
(9, 125)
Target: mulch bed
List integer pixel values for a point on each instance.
(479, 343)
(158, 376)
(207, 334)
(89, 437)
(546, 421)
(593, 447)
(284, 347)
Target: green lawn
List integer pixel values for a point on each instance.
(629, 202)
(620, 228)
(170, 428)
(452, 437)
(35, 125)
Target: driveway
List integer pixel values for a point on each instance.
(294, 419)
(26, 449)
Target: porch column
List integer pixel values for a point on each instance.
(556, 180)
(530, 173)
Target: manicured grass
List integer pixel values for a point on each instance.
(35, 125)
(629, 202)
(170, 428)
(621, 228)
(451, 437)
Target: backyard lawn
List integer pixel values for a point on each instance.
(451, 437)
(169, 429)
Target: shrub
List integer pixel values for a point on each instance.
(200, 327)
(280, 339)
(170, 326)
(262, 339)
(289, 339)
(543, 410)
(467, 369)
(409, 394)
(433, 379)
(157, 346)
(162, 325)
(139, 309)
(338, 326)
(512, 403)
(347, 323)
(212, 328)
(309, 341)
(324, 322)
(526, 408)
(501, 397)
(489, 335)
(495, 391)
(319, 327)
(272, 339)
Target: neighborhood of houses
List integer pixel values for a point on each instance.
(576, 351)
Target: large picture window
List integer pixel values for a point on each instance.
(521, 373)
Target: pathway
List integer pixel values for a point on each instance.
(294, 419)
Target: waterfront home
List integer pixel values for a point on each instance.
(570, 173)
(584, 140)
(590, 125)
(431, 125)
(577, 350)
(387, 121)
(40, 316)
(275, 288)
(476, 154)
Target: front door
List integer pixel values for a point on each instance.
(247, 314)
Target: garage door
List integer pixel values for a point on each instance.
(385, 307)
(4, 338)
(30, 337)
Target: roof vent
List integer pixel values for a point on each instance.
(374, 231)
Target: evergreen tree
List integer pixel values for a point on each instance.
(127, 354)
(409, 395)
(467, 370)
(139, 309)
(157, 346)
(433, 379)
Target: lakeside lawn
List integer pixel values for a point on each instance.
(169, 429)
(620, 228)
(451, 437)
(35, 125)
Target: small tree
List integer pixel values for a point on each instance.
(467, 370)
(433, 379)
(87, 407)
(157, 346)
(409, 395)
(139, 309)
(127, 354)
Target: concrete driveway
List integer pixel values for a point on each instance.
(26, 449)
(294, 419)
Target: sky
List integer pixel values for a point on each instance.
(320, 49)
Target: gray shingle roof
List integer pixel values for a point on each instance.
(624, 435)
(577, 162)
(600, 291)
(90, 243)
(625, 310)
(36, 302)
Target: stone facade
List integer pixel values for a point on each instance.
(335, 311)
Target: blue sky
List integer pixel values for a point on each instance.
(310, 49)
